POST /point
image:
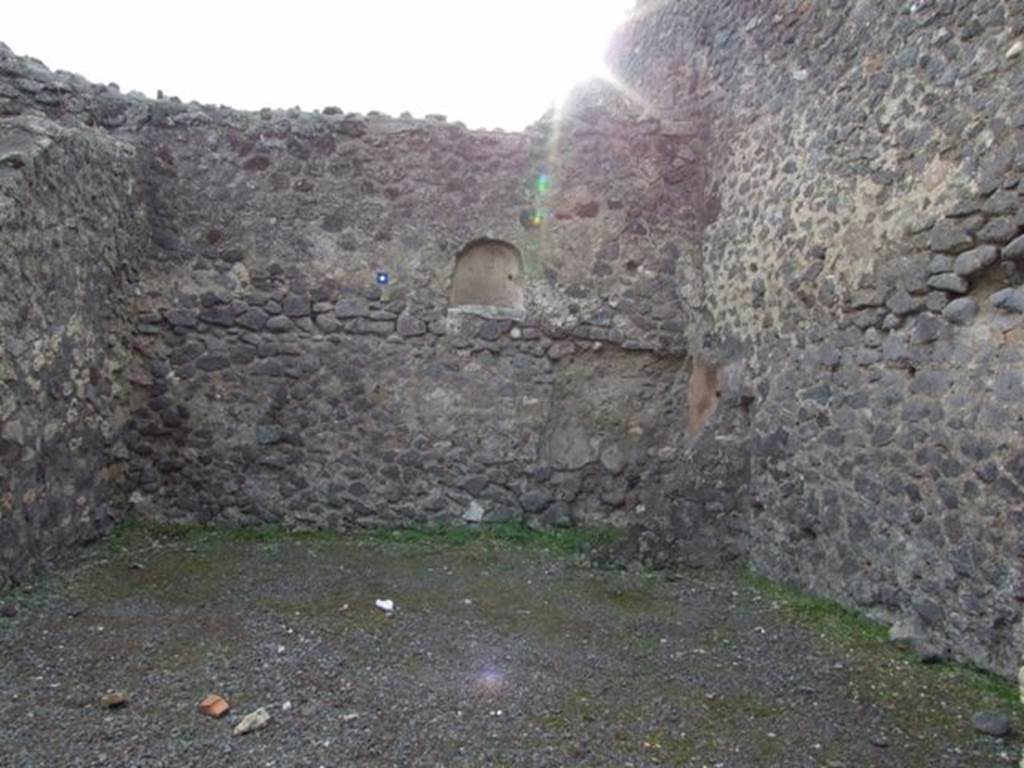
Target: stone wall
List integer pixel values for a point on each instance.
(69, 223)
(770, 308)
(285, 383)
(864, 271)
(272, 377)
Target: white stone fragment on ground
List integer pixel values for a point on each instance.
(254, 721)
(388, 606)
(114, 699)
(350, 717)
(1015, 50)
(474, 512)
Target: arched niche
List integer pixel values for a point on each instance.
(488, 280)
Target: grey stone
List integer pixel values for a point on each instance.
(1015, 250)
(411, 326)
(558, 515)
(892, 322)
(900, 303)
(867, 356)
(279, 324)
(991, 723)
(296, 306)
(961, 311)
(570, 447)
(998, 231)
(975, 260)
(1008, 300)
(561, 349)
(533, 502)
(921, 222)
(213, 362)
(254, 319)
(928, 328)
(374, 327)
(218, 316)
(351, 307)
(268, 434)
(947, 237)
(930, 611)
(613, 459)
(936, 301)
(1002, 203)
(940, 263)
(948, 282)
(965, 208)
(181, 317)
(327, 324)
(475, 485)
(13, 430)
(867, 297)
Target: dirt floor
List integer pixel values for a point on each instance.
(501, 651)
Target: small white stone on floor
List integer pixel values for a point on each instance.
(254, 721)
(385, 605)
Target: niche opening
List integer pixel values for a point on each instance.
(703, 395)
(488, 280)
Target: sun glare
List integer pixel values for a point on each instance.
(580, 46)
(489, 64)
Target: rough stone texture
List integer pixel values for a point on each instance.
(975, 260)
(69, 223)
(1009, 299)
(275, 380)
(858, 148)
(786, 210)
(961, 311)
(309, 394)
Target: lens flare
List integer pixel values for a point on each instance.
(490, 680)
(532, 218)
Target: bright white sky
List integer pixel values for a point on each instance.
(488, 63)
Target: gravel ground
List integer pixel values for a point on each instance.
(496, 655)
